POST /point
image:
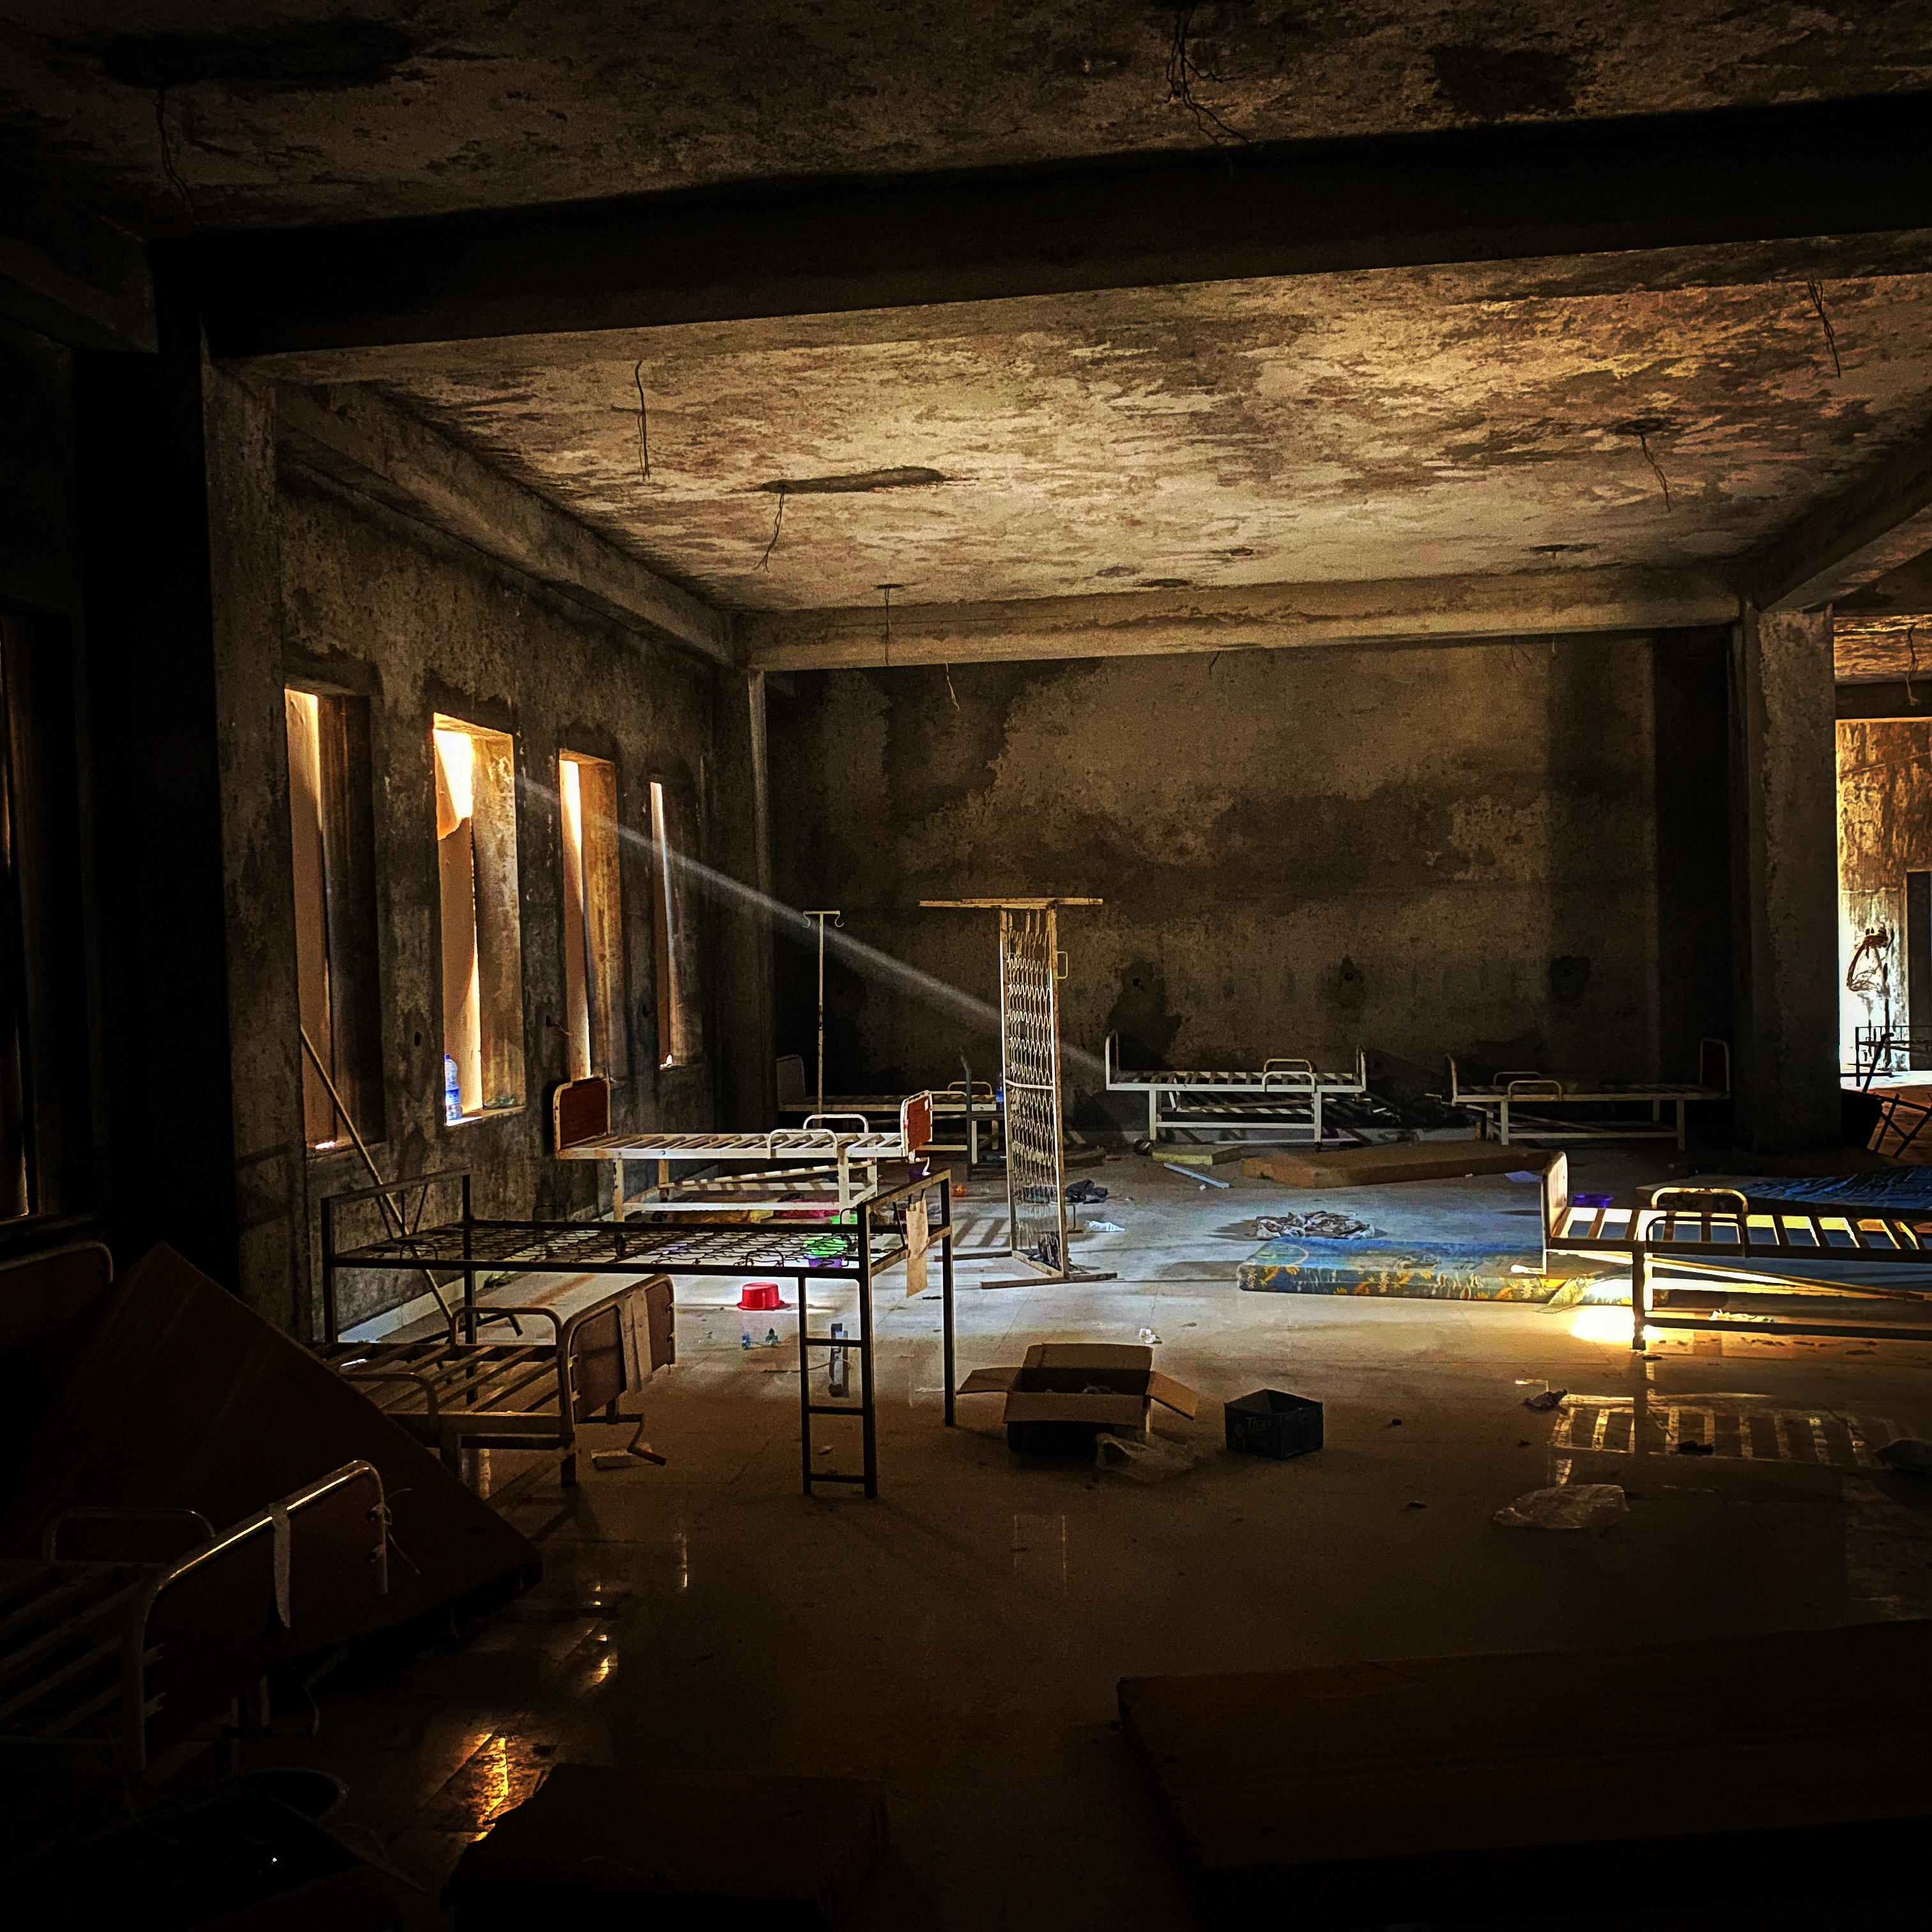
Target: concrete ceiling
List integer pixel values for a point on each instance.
(288, 111)
(1400, 423)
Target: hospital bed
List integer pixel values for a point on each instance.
(1283, 1098)
(833, 1158)
(1517, 1103)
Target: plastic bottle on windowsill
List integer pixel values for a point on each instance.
(452, 1090)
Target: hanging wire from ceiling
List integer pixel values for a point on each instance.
(1183, 70)
(1911, 664)
(778, 524)
(643, 424)
(885, 591)
(1643, 428)
(1816, 290)
(168, 168)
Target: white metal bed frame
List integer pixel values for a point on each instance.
(1536, 1092)
(842, 1163)
(1286, 1096)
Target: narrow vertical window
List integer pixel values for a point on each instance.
(481, 930)
(680, 1035)
(331, 847)
(592, 944)
(16, 1150)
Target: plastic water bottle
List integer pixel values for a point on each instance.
(745, 1340)
(452, 1090)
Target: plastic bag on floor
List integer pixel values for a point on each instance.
(1145, 1458)
(1574, 1506)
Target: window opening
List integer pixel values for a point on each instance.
(481, 932)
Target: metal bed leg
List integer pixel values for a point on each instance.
(1639, 1296)
(1502, 1123)
(1680, 1126)
(947, 1345)
(1153, 1116)
(804, 1386)
(867, 1411)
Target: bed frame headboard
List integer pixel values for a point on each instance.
(915, 1122)
(579, 1110)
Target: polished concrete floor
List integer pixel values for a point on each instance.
(960, 1637)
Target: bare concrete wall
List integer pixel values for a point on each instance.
(1487, 850)
(379, 606)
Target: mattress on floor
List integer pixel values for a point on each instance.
(1360, 1794)
(1427, 1270)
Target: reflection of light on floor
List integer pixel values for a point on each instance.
(493, 1766)
(1605, 1321)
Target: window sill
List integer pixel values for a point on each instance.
(487, 1113)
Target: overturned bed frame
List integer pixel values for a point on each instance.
(136, 1659)
(1536, 1094)
(1282, 1099)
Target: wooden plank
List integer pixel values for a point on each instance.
(1378, 1166)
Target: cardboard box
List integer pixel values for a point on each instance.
(1067, 1392)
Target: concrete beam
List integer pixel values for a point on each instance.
(1886, 703)
(67, 274)
(834, 245)
(372, 446)
(1883, 521)
(1141, 623)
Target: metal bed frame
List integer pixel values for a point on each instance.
(455, 1391)
(806, 1242)
(1288, 1095)
(581, 1130)
(1724, 1231)
(974, 1104)
(1876, 1049)
(1536, 1093)
(132, 1659)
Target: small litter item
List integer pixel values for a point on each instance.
(1084, 1189)
(1146, 1459)
(757, 1296)
(771, 1338)
(1319, 1225)
(1190, 1174)
(1149, 1338)
(1105, 1227)
(1909, 1455)
(1697, 1449)
(1270, 1423)
(1394, 1422)
(1544, 1403)
(1577, 1506)
(1415, 1505)
(1592, 1200)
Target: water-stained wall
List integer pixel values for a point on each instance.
(1513, 852)
(1885, 833)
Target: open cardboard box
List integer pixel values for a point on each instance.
(1067, 1392)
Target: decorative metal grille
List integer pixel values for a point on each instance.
(1029, 1034)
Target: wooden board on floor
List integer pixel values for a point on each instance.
(1397, 1160)
(1358, 1794)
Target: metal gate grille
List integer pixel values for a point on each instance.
(1029, 1039)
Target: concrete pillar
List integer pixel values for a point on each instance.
(271, 1153)
(1784, 881)
(747, 1095)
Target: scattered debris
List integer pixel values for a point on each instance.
(1415, 1505)
(1189, 1174)
(1149, 1338)
(1394, 1422)
(1579, 1506)
(1320, 1224)
(1910, 1456)
(1105, 1227)
(1084, 1189)
(1146, 1459)
(1550, 1398)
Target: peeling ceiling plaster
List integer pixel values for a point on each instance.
(1334, 428)
(338, 109)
